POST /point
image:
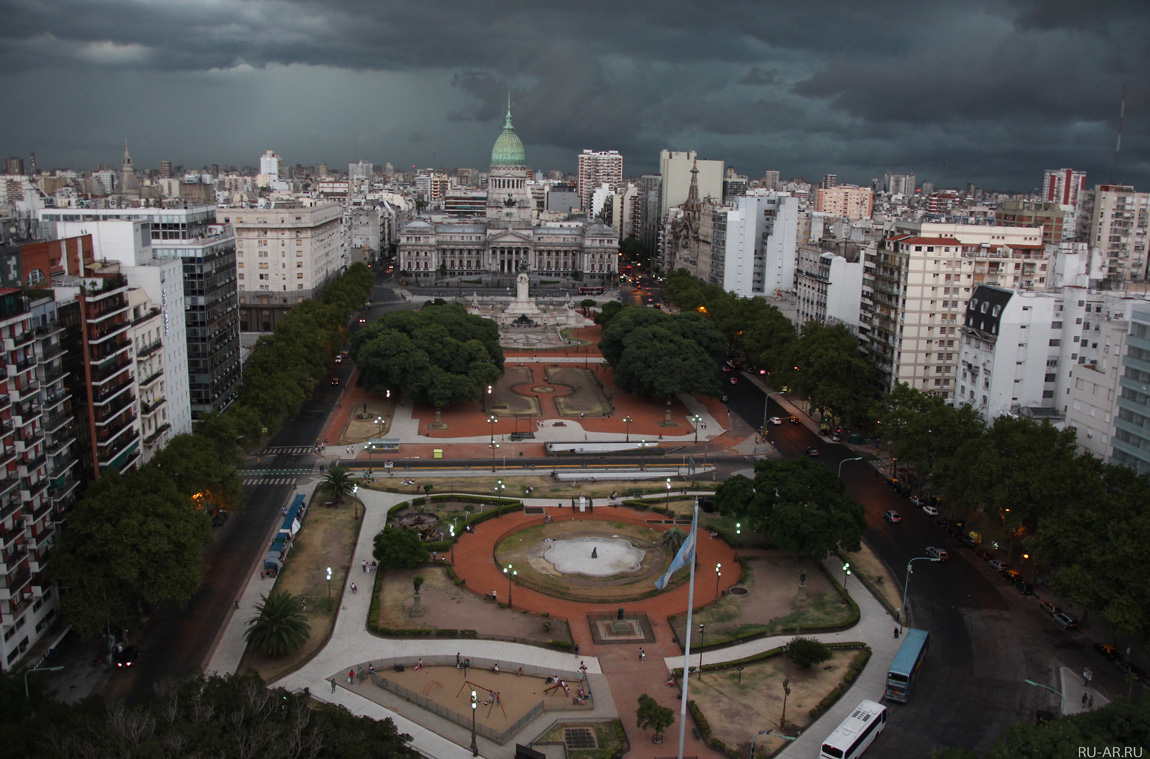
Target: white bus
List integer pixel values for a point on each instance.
(851, 738)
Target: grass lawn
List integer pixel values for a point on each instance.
(738, 705)
(327, 539)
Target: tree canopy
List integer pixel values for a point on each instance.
(801, 504)
(827, 366)
(652, 716)
(281, 626)
(131, 540)
(232, 716)
(656, 355)
(440, 354)
(398, 549)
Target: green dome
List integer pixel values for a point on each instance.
(508, 150)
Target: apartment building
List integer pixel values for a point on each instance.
(828, 283)
(284, 254)
(846, 201)
(916, 286)
(597, 168)
(1115, 220)
(1131, 443)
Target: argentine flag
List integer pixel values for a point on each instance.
(685, 555)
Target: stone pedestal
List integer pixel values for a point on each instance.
(416, 606)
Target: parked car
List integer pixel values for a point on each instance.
(982, 553)
(997, 565)
(937, 553)
(1023, 587)
(1107, 650)
(930, 511)
(1050, 608)
(891, 516)
(812, 452)
(968, 541)
(775, 420)
(1012, 574)
(795, 420)
(1068, 621)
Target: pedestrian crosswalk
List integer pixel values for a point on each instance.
(271, 480)
(287, 449)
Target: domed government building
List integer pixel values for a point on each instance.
(492, 252)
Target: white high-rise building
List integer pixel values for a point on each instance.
(1114, 220)
(760, 245)
(270, 165)
(1063, 186)
(359, 174)
(597, 169)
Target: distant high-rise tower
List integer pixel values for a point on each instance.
(596, 169)
(1063, 186)
(270, 166)
(165, 169)
(830, 180)
(770, 180)
(14, 167)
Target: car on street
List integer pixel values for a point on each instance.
(734, 380)
(837, 437)
(1107, 650)
(937, 553)
(775, 420)
(967, 541)
(125, 656)
(891, 516)
(1068, 621)
(339, 358)
(1050, 608)
(930, 511)
(723, 398)
(1013, 575)
(335, 380)
(997, 565)
(812, 452)
(795, 420)
(982, 553)
(362, 320)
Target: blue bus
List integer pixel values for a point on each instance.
(904, 669)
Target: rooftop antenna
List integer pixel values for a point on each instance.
(1118, 146)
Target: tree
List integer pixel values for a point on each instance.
(281, 626)
(672, 541)
(804, 509)
(398, 549)
(807, 652)
(229, 716)
(608, 312)
(132, 541)
(827, 366)
(734, 495)
(337, 483)
(441, 354)
(657, 364)
(587, 303)
(651, 715)
(194, 465)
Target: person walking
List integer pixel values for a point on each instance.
(333, 685)
(350, 676)
(1083, 698)
(365, 566)
(642, 655)
(237, 604)
(457, 661)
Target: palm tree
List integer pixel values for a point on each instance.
(672, 540)
(337, 482)
(281, 626)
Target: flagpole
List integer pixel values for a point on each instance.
(690, 620)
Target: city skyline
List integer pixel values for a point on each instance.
(991, 93)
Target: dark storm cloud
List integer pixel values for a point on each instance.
(990, 91)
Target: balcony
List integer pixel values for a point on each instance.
(53, 422)
(31, 491)
(60, 491)
(18, 340)
(120, 458)
(21, 365)
(54, 399)
(47, 330)
(50, 374)
(57, 444)
(8, 485)
(148, 350)
(50, 351)
(151, 379)
(26, 414)
(103, 335)
(29, 390)
(5, 401)
(12, 584)
(33, 465)
(155, 436)
(147, 409)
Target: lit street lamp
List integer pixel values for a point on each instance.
(491, 420)
(846, 574)
(696, 419)
(355, 499)
(329, 588)
(511, 573)
(627, 421)
(718, 576)
(487, 400)
(766, 404)
(668, 495)
(474, 706)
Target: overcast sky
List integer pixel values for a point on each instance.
(984, 91)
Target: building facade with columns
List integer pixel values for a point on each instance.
(490, 251)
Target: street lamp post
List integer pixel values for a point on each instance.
(388, 396)
(856, 458)
(668, 495)
(906, 587)
(487, 401)
(329, 588)
(786, 692)
(491, 421)
(37, 669)
(766, 404)
(696, 419)
(718, 576)
(511, 573)
(642, 450)
(355, 500)
(474, 706)
(627, 421)
(1060, 695)
(846, 574)
(452, 528)
(701, 628)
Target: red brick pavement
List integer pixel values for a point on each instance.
(627, 676)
